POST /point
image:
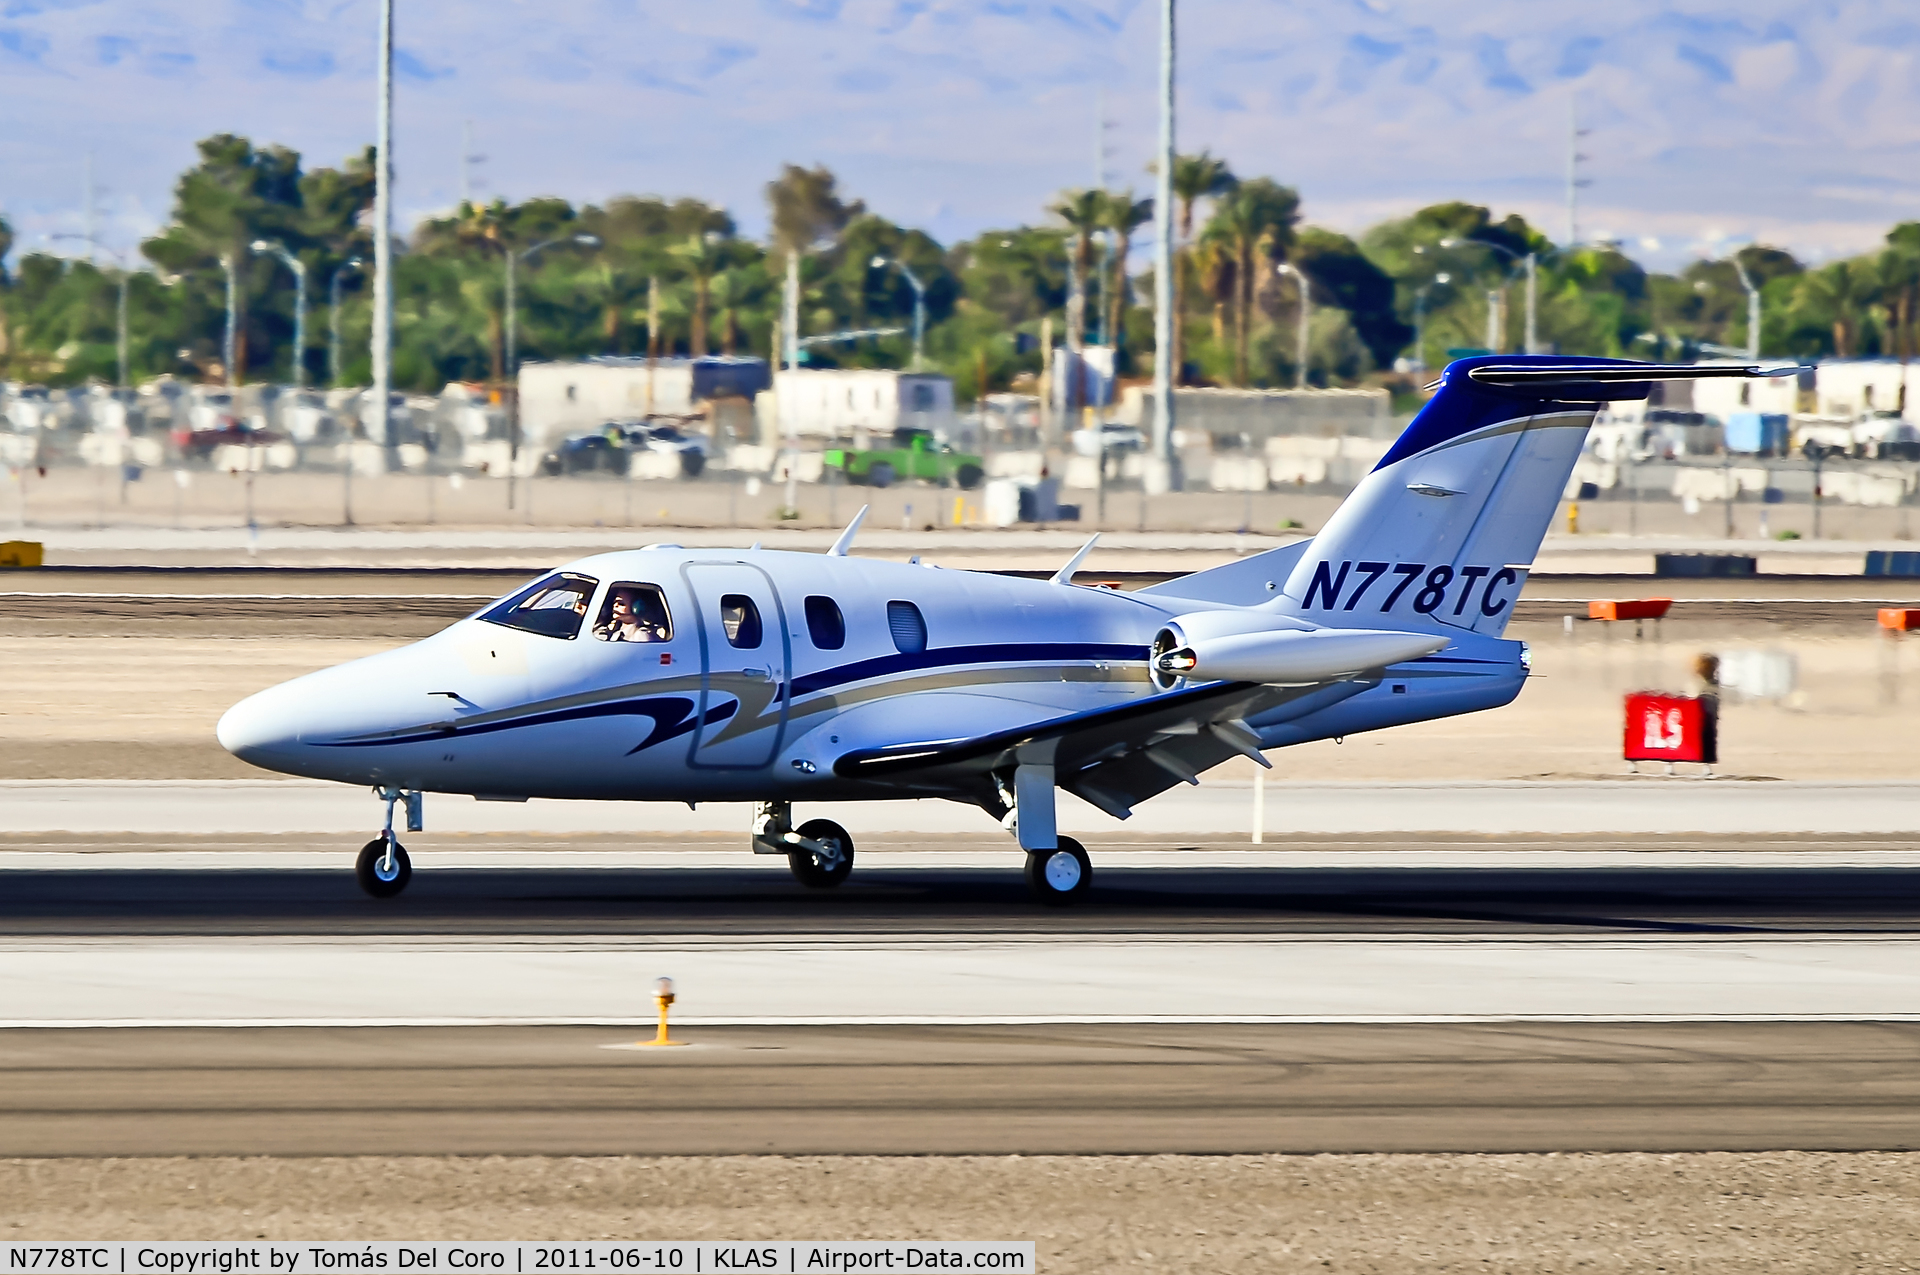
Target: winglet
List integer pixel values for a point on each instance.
(845, 542)
(1065, 574)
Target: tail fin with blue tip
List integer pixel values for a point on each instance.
(1440, 536)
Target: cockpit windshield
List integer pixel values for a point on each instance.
(553, 607)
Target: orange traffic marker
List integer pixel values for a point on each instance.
(1635, 609)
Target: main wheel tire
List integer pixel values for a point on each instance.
(1061, 875)
(810, 869)
(383, 883)
(969, 477)
(880, 475)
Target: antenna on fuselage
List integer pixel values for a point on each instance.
(1065, 574)
(845, 542)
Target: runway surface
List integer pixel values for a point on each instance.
(297, 886)
(994, 1090)
(238, 994)
(1618, 806)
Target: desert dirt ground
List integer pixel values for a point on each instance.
(105, 696)
(1391, 1214)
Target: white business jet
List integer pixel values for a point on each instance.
(773, 677)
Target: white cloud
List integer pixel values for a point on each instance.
(1772, 115)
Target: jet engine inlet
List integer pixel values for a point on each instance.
(1169, 660)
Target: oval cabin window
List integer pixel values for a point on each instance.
(825, 625)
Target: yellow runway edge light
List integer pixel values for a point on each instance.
(663, 997)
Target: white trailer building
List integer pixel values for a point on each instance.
(557, 399)
(852, 402)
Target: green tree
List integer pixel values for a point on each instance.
(1081, 210)
(808, 214)
(1195, 177)
(236, 194)
(6, 320)
(1343, 274)
(1120, 215)
(1255, 224)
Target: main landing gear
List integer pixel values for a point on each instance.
(383, 868)
(1061, 875)
(1058, 869)
(819, 852)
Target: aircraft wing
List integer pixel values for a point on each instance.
(1113, 758)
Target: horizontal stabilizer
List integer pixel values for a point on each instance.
(1601, 380)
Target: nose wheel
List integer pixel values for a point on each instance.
(383, 868)
(828, 866)
(1061, 875)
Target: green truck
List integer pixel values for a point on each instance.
(915, 453)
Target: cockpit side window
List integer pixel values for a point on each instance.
(741, 620)
(553, 607)
(634, 613)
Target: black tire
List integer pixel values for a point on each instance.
(691, 463)
(880, 475)
(367, 869)
(969, 477)
(808, 869)
(1060, 876)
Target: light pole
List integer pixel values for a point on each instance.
(919, 302)
(1753, 310)
(1420, 319)
(1306, 318)
(333, 319)
(383, 238)
(333, 379)
(226, 343)
(512, 336)
(1531, 262)
(299, 269)
(1163, 316)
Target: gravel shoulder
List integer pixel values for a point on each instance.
(1596, 1214)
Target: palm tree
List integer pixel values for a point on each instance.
(1214, 262)
(481, 228)
(1255, 224)
(1082, 210)
(706, 258)
(1195, 177)
(1121, 214)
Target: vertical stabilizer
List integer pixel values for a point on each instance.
(1439, 537)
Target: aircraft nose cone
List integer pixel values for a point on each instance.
(259, 731)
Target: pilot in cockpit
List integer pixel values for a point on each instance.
(633, 615)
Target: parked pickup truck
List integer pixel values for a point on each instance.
(915, 453)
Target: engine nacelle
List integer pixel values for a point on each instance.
(1253, 646)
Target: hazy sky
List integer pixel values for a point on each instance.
(1797, 123)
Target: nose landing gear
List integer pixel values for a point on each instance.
(820, 853)
(383, 868)
(830, 864)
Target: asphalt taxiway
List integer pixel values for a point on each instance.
(1463, 993)
(1126, 1089)
(1654, 965)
